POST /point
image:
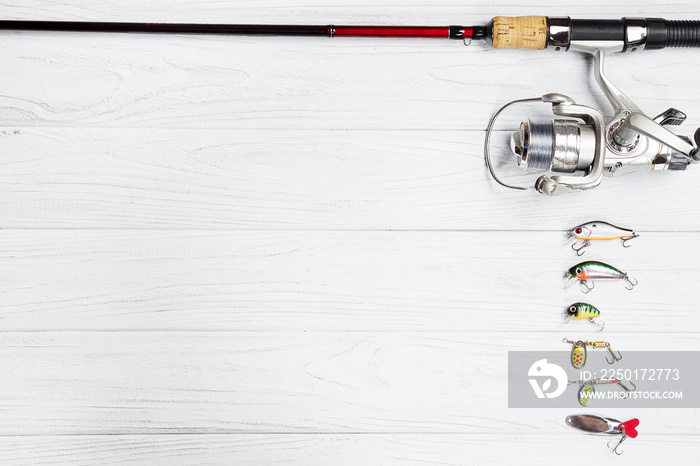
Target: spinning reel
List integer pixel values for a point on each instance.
(595, 145)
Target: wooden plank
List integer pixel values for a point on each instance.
(466, 281)
(140, 178)
(244, 82)
(322, 449)
(435, 180)
(214, 382)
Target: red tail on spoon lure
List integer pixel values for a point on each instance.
(593, 424)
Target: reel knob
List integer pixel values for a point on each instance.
(671, 117)
(695, 156)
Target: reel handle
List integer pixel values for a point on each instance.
(638, 122)
(541, 32)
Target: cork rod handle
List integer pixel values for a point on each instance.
(523, 32)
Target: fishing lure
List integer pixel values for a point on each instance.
(600, 425)
(579, 354)
(587, 389)
(596, 270)
(582, 235)
(584, 311)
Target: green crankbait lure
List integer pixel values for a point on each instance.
(592, 270)
(584, 311)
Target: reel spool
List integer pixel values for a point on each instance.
(563, 146)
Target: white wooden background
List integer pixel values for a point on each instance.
(236, 250)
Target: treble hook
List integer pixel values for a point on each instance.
(588, 288)
(600, 324)
(580, 251)
(612, 353)
(622, 439)
(629, 279)
(629, 238)
(625, 388)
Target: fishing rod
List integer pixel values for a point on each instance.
(583, 146)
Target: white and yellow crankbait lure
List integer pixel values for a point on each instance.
(582, 235)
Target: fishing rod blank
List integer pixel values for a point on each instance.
(527, 32)
(436, 32)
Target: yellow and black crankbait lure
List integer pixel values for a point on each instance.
(584, 311)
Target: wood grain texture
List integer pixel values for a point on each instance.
(243, 82)
(441, 281)
(236, 250)
(222, 82)
(348, 449)
(320, 382)
(275, 179)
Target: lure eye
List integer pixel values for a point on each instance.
(579, 271)
(572, 310)
(578, 231)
